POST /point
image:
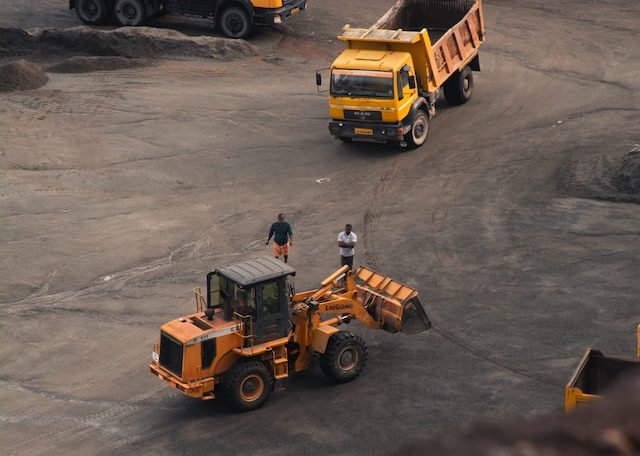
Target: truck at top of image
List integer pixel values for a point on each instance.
(385, 84)
(234, 18)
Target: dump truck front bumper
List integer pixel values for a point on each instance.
(269, 16)
(198, 389)
(366, 131)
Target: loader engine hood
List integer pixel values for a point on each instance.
(196, 328)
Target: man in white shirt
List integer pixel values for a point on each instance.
(347, 241)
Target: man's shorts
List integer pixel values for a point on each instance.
(348, 260)
(280, 250)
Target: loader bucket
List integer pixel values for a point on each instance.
(392, 304)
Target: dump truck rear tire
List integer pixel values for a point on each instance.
(419, 130)
(345, 357)
(235, 22)
(247, 385)
(129, 12)
(92, 12)
(459, 87)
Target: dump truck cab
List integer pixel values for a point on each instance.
(373, 86)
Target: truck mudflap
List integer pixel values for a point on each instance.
(372, 132)
(268, 16)
(391, 303)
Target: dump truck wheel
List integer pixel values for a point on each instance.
(92, 12)
(129, 12)
(459, 87)
(247, 385)
(419, 130)
(235, 22)
(345, 357)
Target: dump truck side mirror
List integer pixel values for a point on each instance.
(318, 78)
(412, 82)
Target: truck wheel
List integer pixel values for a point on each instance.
(419, 130)
(129, 12)
(345, 357)
(92, 12)
(459, 87)
(235, 23)
(246, 385)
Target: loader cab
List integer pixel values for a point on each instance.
(254, 292)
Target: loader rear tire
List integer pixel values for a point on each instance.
(247, 385)
(345, 357)
(459, 87)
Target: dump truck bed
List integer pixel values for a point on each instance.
(454, 32)
(594, 375)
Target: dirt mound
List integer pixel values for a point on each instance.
(131, 42)
(81, 64)
(612, 177)
(21, 75)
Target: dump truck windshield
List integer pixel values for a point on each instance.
(362, 83)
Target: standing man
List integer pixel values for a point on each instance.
(282, 237)
(347, 241)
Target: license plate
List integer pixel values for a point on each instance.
(155, 357)
(364, 131)
(295, 10)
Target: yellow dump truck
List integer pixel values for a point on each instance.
(250, 330)
(384, 85)
(595, 374)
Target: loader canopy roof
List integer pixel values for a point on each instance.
(255, 271)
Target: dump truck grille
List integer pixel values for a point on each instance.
(171, 354)
(362, 115)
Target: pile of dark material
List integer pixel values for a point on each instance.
(610, 426)
(132, 42)
(21, 75)
(610, 176)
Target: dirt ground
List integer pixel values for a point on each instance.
(120, 188)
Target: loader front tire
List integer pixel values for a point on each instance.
(345, 357)
(459, 87)
(247, 385)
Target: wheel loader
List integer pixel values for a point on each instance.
(251, 330)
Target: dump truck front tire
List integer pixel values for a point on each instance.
(419, 130)
(129, 12)
(247, 385)
(92, 12)
(345, 357)
(234, 22)
(459, 87)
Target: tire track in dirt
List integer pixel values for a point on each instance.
(372, 218)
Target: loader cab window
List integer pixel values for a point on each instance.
(362, 84)
(270, 298)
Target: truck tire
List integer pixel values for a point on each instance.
(247, 385)
(345, 357)
(129, 12)
(235, 22)
(459, 87)
(419, 130)
(92, 12)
